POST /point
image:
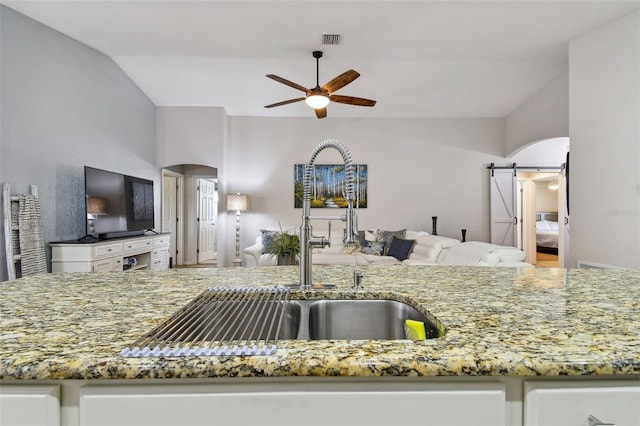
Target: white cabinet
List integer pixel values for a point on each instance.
(513, 401)
(570, 403)
(106, 265)
(160, 253)
(302, 404)
(138, 246)
(29, 405)
(115, 255)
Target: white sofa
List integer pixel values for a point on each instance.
(428, 250)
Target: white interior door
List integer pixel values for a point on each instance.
(172, 213)
(207, 213)
(503, 193)
(563, 224)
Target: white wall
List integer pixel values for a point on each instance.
(65, 105)
(546, 199)
(193, 136)
(418, 168)
(605, 144)
(546, 153)
(190, 135)
(545, 115)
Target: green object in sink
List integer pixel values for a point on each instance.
(414, 330)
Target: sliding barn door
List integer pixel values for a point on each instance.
(504, 220)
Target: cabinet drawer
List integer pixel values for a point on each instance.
(161, 241)
(287, 405)
(138, 246)
(571, 403)
(105, 250)
(107, 265)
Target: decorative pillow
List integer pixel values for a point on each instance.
(372, 247)
(352, 248)
(400, 249)
(385, 237)
(356, 247)
(267, 240)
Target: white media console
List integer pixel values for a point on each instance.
(142, 252)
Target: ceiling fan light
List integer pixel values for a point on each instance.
(317, 101)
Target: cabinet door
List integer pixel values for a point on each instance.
(564, 403)
(29, 405)
(335, 405)
(104, 265)
(159, 258)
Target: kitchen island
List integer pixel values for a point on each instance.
(513, 337)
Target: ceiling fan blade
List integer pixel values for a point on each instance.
(341, 81)
(321, 112)
(352, 100)
(290, 101)
(287, 82)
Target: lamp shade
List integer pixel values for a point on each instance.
(238, 202)
(317, 101)
(96, 205)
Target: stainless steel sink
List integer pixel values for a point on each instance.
(363, 319)
(238, 322)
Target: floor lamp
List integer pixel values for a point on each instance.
(238, 203)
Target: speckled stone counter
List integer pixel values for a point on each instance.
(499, 322)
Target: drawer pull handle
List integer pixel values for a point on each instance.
(594, 421)
(108, 249)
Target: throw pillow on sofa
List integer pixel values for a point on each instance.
(268, 238)
(384, 237)
(400, 248)
(372, 247)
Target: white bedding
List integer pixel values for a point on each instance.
(547, 234)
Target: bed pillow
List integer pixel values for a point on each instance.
(546, 225)
(541, 225)
(400, 248)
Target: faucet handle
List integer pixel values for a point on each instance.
(357, 279)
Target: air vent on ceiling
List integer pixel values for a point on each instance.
(331, 39)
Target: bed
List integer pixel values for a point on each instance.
(547, 232)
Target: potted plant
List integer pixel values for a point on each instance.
(286, 247)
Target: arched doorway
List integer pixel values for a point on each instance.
(542, 201)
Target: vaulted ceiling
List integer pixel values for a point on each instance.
(416, 58)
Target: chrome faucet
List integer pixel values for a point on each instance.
(307, 240)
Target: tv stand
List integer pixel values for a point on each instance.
(84, 255)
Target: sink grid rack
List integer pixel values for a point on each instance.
(220, 321)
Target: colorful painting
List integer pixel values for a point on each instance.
(328, 186)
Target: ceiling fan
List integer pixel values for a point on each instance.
(319, 97)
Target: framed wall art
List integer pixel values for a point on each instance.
(328, 185)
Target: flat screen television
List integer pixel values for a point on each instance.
(117, 205)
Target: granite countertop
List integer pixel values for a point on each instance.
(499, 321)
